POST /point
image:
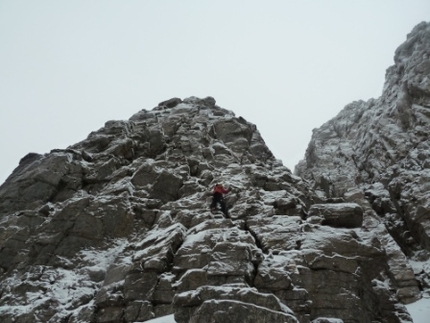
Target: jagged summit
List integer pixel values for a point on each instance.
(383, 145)
(117, 228)
(366, 138)
(193, 136)
(107, 229)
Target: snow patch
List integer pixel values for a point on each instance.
(163, 319)
(70, 290)
(420, 310)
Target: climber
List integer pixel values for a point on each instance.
(218, 197)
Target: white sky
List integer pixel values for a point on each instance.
(67, 67)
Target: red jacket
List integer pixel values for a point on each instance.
(220, 189)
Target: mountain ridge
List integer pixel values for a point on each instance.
(382, 142)
(117, 227)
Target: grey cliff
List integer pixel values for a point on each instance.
(117, 227)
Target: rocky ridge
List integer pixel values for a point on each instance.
(382, 148)
(117, 228)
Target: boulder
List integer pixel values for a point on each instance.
(216, 311)
(340, 215)
(231, 130)
(195, 306)
(166, 186)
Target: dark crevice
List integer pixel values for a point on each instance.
(255, 261)
(257, 240)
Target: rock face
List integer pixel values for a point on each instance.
(381, 148)
(117, 228)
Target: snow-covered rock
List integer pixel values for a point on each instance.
(380, 149)
(117, 228)
(384, 142)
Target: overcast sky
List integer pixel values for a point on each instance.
(67, 67)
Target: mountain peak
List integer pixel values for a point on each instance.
(120, 227)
